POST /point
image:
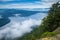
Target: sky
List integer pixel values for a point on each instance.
(17, 28)
(26, 3)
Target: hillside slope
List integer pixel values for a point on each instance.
(55, 37)
(48, 28)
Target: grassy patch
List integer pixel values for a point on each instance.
(49, 34)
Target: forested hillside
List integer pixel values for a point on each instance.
(49, 24)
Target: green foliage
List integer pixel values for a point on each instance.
(49, 24)
(49, 34)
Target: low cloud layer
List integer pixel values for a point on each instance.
(18, 27)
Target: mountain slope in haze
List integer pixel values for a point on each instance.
(11, 12)
(5, 13)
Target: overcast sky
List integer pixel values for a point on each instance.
(26, 3)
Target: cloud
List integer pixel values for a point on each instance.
(18, 27)
(1, 16)
(35, 4)
(19, 6)
(50, 0)
(19, 0)
(25, 5)
(6, 0)
(38, 16)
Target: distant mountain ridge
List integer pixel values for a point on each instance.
(5, 13)
(16, 11)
